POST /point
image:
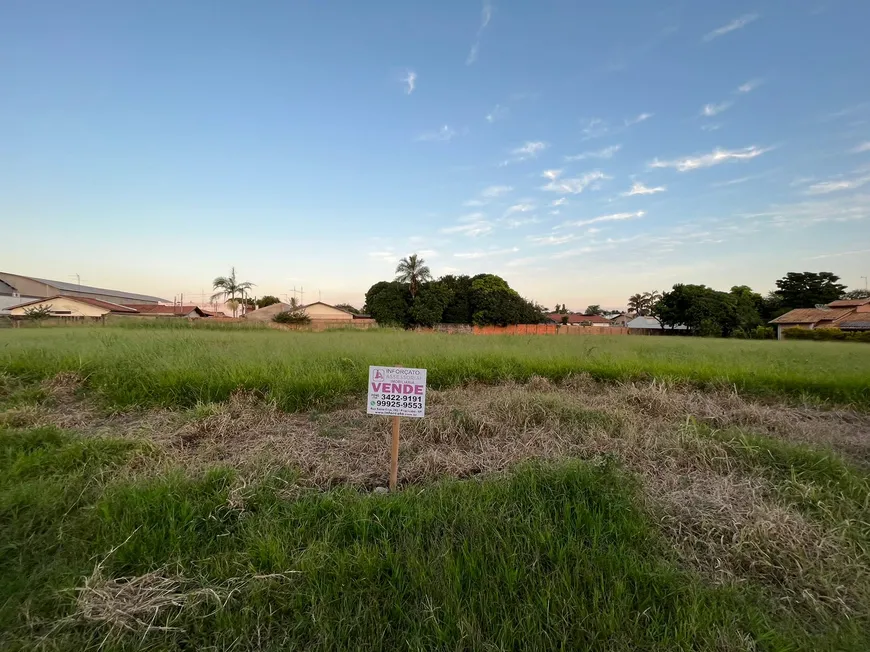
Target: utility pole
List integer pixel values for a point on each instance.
(865, 282)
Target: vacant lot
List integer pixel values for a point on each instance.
(180, 367)
(212, 489)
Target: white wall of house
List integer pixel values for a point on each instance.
(62, 307)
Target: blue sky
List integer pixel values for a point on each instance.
(584, 151)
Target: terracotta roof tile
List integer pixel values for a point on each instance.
(810, 316)
(848, 303)
(577, 318)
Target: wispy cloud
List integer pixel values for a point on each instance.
(825, 187)
(595, 128)
(485, 17)
(552, 240)
(410, 81)
(615, 217)
(598, 128)
(749, 86)
(445, 133)
(841, 253)
(519, 208)
(490, 192)
(576, 185)
(471, 225)
(716, 157)
(863, 147)
(641, 117)
(639, 189)
(838, 209)
(386, 256)
(606, 152)
(472, 229)
(711, 127)
(551, 174)
(486, 253)
(530, 149)
(709, 110)
(516, 222)
(734, 25)
(498, 112)
(559, 202)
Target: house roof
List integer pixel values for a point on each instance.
(75, 287)
(855, 322)
(577, 318)
(810, 316)
(321, 303)
(151, 309)
(848, 303)
(650, 323)
(97, 303)
(5, 288)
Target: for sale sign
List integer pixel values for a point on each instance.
(397, 391)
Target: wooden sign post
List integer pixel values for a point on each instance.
(394, 456)
(396, 392)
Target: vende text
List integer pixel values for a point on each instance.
(397, 388)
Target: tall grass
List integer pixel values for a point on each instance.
(547, 558)
(158, 366)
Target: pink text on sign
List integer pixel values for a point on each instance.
(397, 388)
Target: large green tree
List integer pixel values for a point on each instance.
(808, 289)
(427, 308)
(458, 310)
(267, 300)
(594, 309)
(703, 310)
(413, 271)
(856, 294)
(389, 303)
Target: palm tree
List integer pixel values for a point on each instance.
(413, 270)
(635, 304)
(650, 299)
(228, 287)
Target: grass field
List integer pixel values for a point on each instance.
(166, 489)
(172, 367)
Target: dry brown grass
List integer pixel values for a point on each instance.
(724, 520)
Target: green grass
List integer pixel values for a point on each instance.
(546, 558)
(181, 367)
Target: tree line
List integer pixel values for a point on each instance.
(414, 298)
(740, 312)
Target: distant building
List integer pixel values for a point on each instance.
(30, 286)
(317, 311)
(845, 314)
(170, 310)
(621, 320)
(70, 308)
(578, 319)
(645, 325)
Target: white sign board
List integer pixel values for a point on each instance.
(397, 391)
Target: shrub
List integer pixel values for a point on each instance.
(292, 317)
(826, 335)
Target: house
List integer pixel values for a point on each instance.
(173, 310)
(621, 319)
(833, 315)
(16, 284)
(577, 319)
(318, 311)
(70, 308)
(645, 325)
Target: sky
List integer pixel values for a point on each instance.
(583, 151)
